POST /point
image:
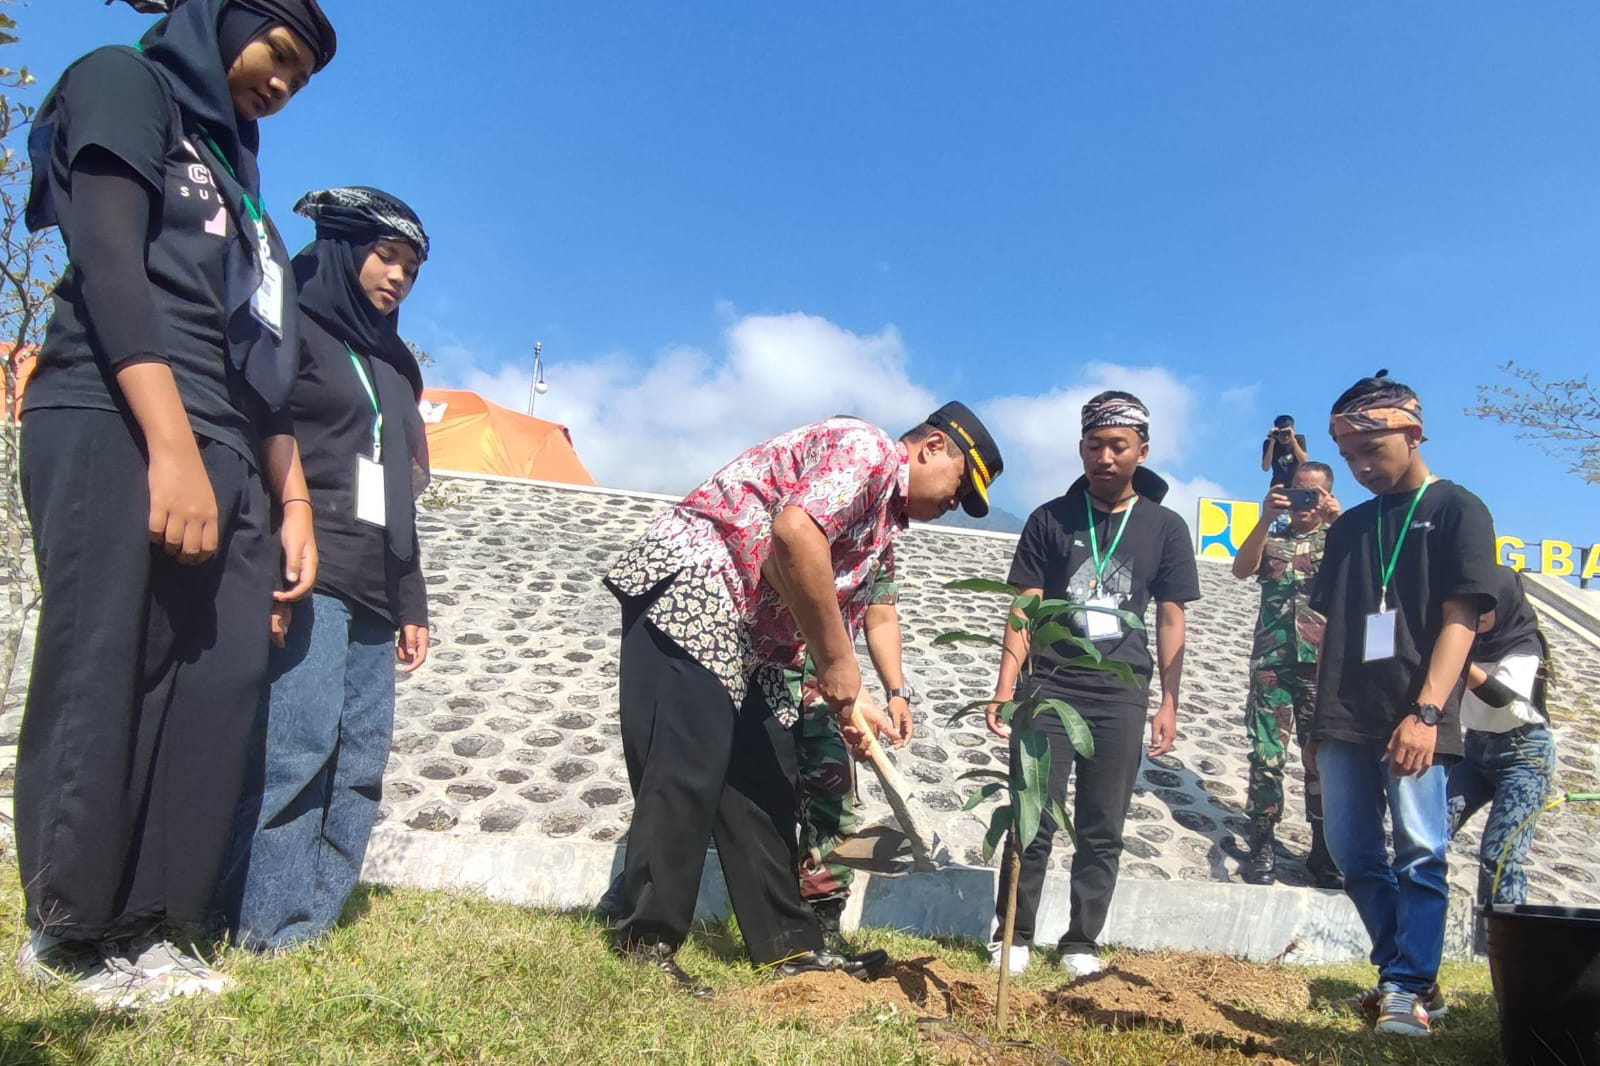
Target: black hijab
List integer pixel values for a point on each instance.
(185, 48)
(1516, 627)
(350, 222)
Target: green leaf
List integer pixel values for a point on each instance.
(1077, 729)
(982, 794)
(1031, 792)
(981, 584)
(1056, 608)
(1054, 633)
(973, 775)
(1016, 622)
(957, 636)
(1026, 604)
(1123, 671)
(1059, 813)
(997, 829)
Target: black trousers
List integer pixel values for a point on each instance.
(1100, 808)
(146, 680)
(701, 768)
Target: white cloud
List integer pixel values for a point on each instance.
(665, 425)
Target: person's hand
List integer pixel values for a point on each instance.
(991, 717)
(1411, 747)
(1330, 508)
(183, 509)
(299, 551)
(411, 647)
(900, 712)
(1276, 503)
(1163, 729)
(279, 630)
(878, 722)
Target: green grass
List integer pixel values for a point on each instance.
(416, 977)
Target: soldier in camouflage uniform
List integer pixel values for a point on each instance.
(1283, 665)
(828, 807)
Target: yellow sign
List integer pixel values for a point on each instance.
(1224, 524)
(1554, 557)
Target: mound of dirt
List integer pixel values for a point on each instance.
(922, 988)
(1216, 1002)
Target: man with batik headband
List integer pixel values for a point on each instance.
(770, 559)
(1404, 579)
(1107, 543)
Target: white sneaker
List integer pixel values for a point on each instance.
(118, 985)
(174, 972)
(1081, 964)
(48, 959)
(1019, 956)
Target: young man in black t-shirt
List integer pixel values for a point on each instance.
(1404, 578)
(1107, 542)
(1283, 451)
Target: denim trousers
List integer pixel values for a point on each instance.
(302, 836)
(1402, 904)
(1511, 772)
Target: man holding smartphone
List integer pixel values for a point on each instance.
(1283, 451)
(1283, 663)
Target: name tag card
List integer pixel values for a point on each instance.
(1098, 625)
(369, 492)
(1380, 637)
(267, 303)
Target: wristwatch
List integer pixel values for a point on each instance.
(1429, 714)
(904, 692)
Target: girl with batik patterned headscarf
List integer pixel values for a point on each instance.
(303, 833)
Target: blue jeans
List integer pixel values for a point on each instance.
(329, 724)
(1511, 772)
(1402, 904)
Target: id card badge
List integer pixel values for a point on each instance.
(1379, 642)
(369, 492)
(267, 303)
(1098, 625)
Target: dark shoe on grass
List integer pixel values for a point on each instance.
(864, 965)
(663, 957)
(830, 914)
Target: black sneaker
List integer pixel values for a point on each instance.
(865, 965)
(664, 958)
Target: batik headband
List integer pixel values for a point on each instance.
(1117, 411)
(1387, 413)
(358, 214)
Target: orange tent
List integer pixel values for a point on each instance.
(470, 435)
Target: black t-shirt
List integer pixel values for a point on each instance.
(1448, 553)
(113, 99)
(1154, 560)
(333, 424)
(1284, 464)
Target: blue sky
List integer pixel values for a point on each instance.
(722, 219)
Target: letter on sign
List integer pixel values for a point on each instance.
(1513, 558)
(1556, 558)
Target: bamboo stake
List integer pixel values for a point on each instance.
(1002, 998)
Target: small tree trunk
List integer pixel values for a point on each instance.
(1002, 1013)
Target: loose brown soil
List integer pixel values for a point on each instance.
(1218, 1003)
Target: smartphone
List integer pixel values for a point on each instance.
(1303, 499)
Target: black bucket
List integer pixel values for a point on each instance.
(1545, 962)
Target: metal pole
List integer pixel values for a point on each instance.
(538, 375)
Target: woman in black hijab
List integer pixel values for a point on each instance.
(303, 833)
(149, 446)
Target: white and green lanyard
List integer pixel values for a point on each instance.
(377, 415)
(256, 215)
(1101, 565)
(1386, 572)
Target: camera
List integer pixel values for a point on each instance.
(1303, 499)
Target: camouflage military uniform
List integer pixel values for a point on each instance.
(1283, 670)
(828, 811)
